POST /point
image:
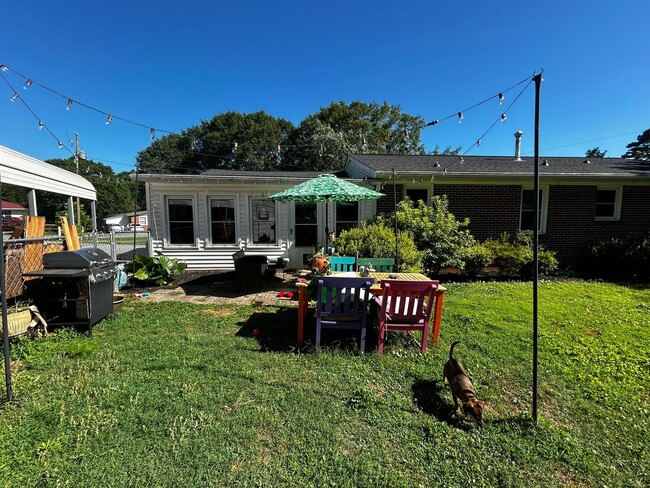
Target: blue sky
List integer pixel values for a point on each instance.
(172, 64)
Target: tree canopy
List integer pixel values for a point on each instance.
(640, 149)
(261, 142)
(595, 153)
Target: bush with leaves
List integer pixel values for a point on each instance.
(160, 270)
(626, 258)
(378, 241)
(435, 231)
(516, 257)
(477, 258)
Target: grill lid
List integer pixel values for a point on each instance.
(81, 258)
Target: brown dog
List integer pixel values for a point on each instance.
(462, 388)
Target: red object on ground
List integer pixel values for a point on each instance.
(255, 332)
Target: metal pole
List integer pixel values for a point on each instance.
(5, 325)
(538, 84)
(395, 215)
(135, 209)
(76, 162)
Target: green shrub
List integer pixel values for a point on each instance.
(515, 258)
(160, 270)
(626, 258)
(477, 258)
(378, 241)
(435, 231)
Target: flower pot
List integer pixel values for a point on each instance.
(321, 264)
(118, 303)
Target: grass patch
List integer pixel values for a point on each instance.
(178, 394)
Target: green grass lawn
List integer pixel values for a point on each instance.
(175, 394)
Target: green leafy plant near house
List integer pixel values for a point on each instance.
(515, 257)
(160, 270)
(625, 258)
(378, 241)
(437, 234)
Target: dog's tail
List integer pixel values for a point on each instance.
(451, 350)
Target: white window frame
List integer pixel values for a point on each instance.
(167, 240)
(543, 205)
(250, 223)
(617, 203)
(235, 244)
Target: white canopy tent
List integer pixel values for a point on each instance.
(21, 170)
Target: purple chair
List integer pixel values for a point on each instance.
(342, 304)
(405, 306)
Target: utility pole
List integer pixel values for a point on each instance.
(76, 162)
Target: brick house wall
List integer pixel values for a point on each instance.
(570, 224)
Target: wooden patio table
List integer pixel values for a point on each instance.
(303, 300)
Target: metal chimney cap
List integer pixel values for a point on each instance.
(519, 133)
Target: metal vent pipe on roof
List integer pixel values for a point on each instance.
(518, 135)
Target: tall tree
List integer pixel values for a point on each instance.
(323, 140)
(640, 149)
(229, 141)
(595, 153)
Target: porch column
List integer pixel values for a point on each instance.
(93, 213)
(31, 203)
(71, 211)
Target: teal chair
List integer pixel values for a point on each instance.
(382, 265)
(342, 263)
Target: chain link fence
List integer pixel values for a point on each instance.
(24, 255)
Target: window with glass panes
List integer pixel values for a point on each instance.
(181, 220)
(306, 225)
(347, 216)
(528, 210)
(606, 204)
(222, 220)
(263, 220)
(416, 194)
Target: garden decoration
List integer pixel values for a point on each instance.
(326, 188)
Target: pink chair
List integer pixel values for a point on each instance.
(405, 306)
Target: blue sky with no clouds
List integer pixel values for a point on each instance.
(170, 65)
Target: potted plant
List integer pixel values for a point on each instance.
(320, 261)
(22, 318)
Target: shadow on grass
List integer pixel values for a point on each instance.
(278, 331)
(432, 397)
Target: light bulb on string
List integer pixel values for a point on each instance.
(501, 98)
(14, 97)
(27, 84)
(41, 125)
(60, 145)
(152, 133)
(460, 117)
(69, 104)
(4, 68)
(503, 117)
(478, 142)
(109, 119)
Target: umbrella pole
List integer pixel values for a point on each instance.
(326, 229)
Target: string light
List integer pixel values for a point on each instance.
(60, 144)
(478, 142)
(152, 133)
(27, 84)
(69, 104)
(109, 119)
(4, 68)
(433, 122)
(14, 97)
(501, 98)
(503, 117)
(460, 117)
(41, 125)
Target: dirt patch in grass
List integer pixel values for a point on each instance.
(218, 312)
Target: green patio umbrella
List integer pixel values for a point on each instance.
(326, 188)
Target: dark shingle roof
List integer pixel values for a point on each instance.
(503, 165)
(270, 174)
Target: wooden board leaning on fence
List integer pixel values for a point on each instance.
(70, 234)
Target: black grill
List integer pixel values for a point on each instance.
(76, 287)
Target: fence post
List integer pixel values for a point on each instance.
(113, 247)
